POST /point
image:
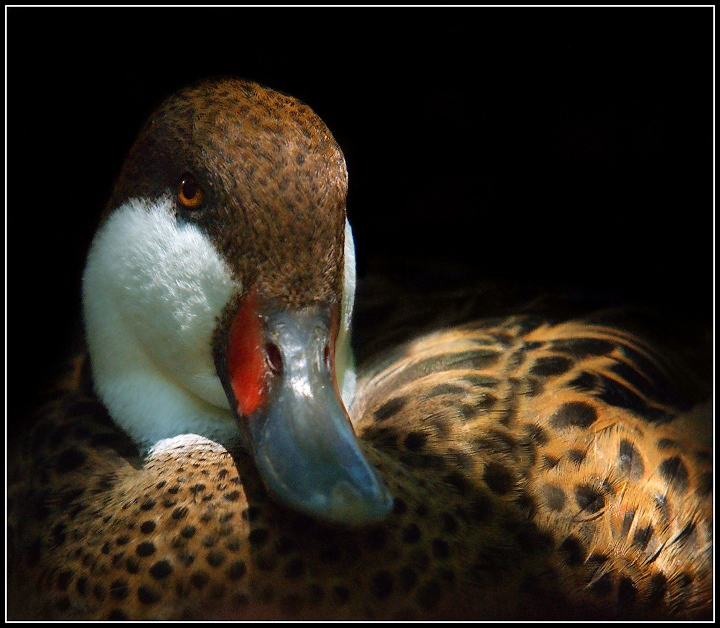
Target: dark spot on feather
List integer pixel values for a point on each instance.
(215, 558)
(589, 498)
(399, 506)
(180, 513)
(484, 401)
(482, 381)
(99, 592)
(534, 387)
(526, 504)
(574, 553)
(675, 473)
(236, 570)
(81, 585)
(440, 549)
(627, 591)
(389, 408)
(468, 411)
(554, 497)
(533, 344)
(598, 559)
(147, 527)
(499, 478)
(627, 522)
(705, 483)
(630, 463)
(550, 366)
(703, 455)
(602, 586)
(381, 584)
(446, 389)
(459, 481)
(421, 510)
(574, 414)
(382, 437)
(64, 579)
(642, 536)
(585, 382)
(117, 615)
(658, 588)
(619, 395)
(474, 359)
(450, 524)
(147, 595)
(415, 441)
(144, 549)
(161, 569)
(480, 509)
(634, 378)
(199, 579)
(584, 347)
(576, 455)
(666, 443)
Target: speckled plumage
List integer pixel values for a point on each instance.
(540, 468)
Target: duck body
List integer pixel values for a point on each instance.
(512, 467)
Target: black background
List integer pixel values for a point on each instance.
(570, 147)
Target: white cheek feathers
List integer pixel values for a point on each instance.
(344, 359)
(152, 291)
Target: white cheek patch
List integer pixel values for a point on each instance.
(153, 289)
(344, 359)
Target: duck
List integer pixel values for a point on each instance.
(227, 444)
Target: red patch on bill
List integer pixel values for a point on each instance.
(246, 362)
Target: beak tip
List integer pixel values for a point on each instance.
(348, 505)
(326, 492)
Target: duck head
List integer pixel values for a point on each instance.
(218, 293)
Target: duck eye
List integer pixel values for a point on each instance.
(189, 192)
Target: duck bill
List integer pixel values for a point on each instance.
(298, 429)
